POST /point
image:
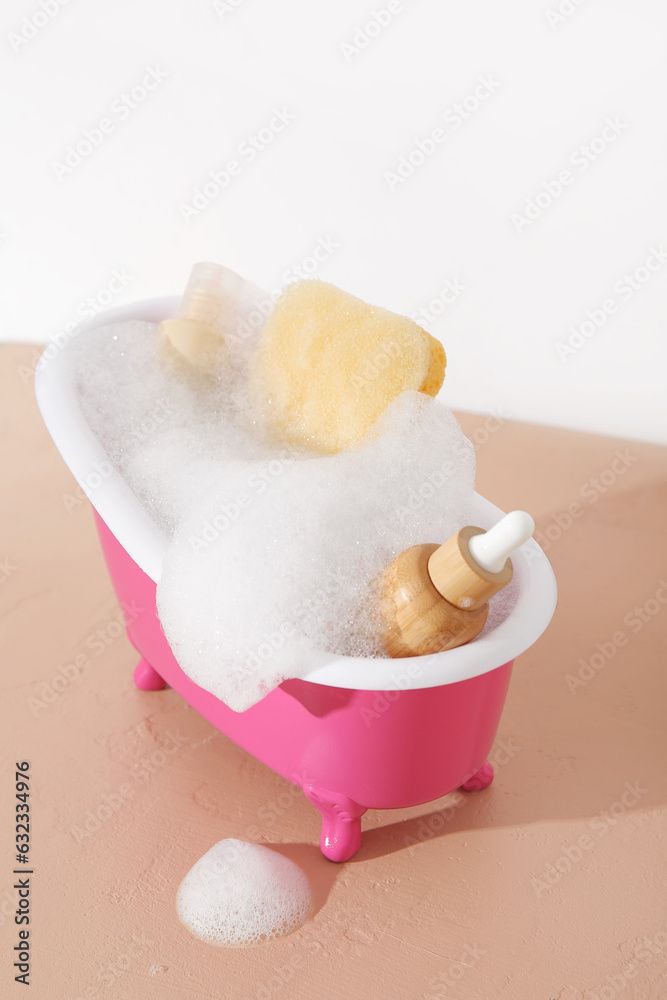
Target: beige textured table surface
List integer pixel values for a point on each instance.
(549, 884)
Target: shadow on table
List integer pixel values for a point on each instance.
(321, 873)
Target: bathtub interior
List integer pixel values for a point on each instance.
(145, 542)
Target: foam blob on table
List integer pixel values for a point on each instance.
(241, 894)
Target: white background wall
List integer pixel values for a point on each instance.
(359, 104)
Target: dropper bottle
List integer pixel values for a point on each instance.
(436, 597)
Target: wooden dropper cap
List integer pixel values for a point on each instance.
(472, 565)
(435, 597)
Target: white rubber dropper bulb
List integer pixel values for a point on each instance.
(491, 549)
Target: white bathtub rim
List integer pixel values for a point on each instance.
(136, 531)
(114, 501)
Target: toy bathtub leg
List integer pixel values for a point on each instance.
(146, 677)
(341, 822)
(480, 779)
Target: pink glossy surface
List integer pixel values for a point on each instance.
(380, 750)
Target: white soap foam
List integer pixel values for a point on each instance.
(274, 553)
(257, 579)
(165, 425)
(241, 894)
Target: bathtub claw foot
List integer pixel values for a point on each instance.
(341, 822)
(147, 678)
(480, 779)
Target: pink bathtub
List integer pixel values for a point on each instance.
(354, 734)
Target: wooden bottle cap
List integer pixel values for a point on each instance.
(459, 578)
(417, 620)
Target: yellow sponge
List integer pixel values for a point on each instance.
(329, 364)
